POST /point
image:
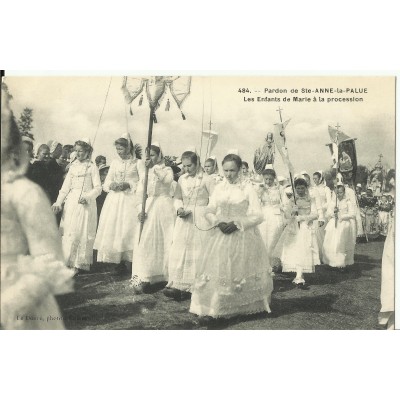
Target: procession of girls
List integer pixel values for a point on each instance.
(215, 236)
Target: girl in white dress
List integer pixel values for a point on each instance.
(150, 254)
(234, 276)
(323, 191)
(384, 210)
(118, 220)
(386, 315)
(297, 247)
(79, 191)
(32, 266)
(358, 229)
(319, 223)
(190, 232)
(271, 198)
(340, 238)
(324, 195)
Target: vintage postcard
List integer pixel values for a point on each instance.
(198, 202)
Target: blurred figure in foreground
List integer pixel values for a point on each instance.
(32, 267)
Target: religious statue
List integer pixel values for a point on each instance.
(345, 163)
(270, 148)
(265, 156)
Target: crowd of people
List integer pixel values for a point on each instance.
(215, 234)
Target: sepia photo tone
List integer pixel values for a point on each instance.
(197, 202)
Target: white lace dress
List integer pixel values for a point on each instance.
(272, 226)
(190, 234)
(339, 243)
(357, 222)
(118, 217)
(325, 196)
(386, 315)
(150, 255)
(79, 220)
(320, 195)
(297, 247)
(32, 268)
(234, 276)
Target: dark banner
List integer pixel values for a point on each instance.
(347, 155)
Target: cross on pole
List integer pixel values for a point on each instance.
(279, 110)
(290, 174)
(337, 133)
(209, 137)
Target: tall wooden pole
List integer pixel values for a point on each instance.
(146, 176)
(337, 166)
(290, 173)
(208, 142)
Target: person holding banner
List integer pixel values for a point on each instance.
(297, 247)
(319, 225)
(324, 195)
(117, 226)
(271, 197)
(339, 242)
(151, 248)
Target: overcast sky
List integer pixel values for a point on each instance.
(68, 108)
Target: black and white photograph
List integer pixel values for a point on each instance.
(198, 202)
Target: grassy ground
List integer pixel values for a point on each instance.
(334, 301)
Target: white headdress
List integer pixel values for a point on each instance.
(339, 180)
(161, 155)
(52, 145)
(298, 175)
(36, 149)
(103, 166)
(233, 151)
(89, 143)
(280, 178)
(321, 179)
(216, 170)
(193, 150)
(288, 190)
(127, 137)
(86, 140)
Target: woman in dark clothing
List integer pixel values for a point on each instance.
(38, 171)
